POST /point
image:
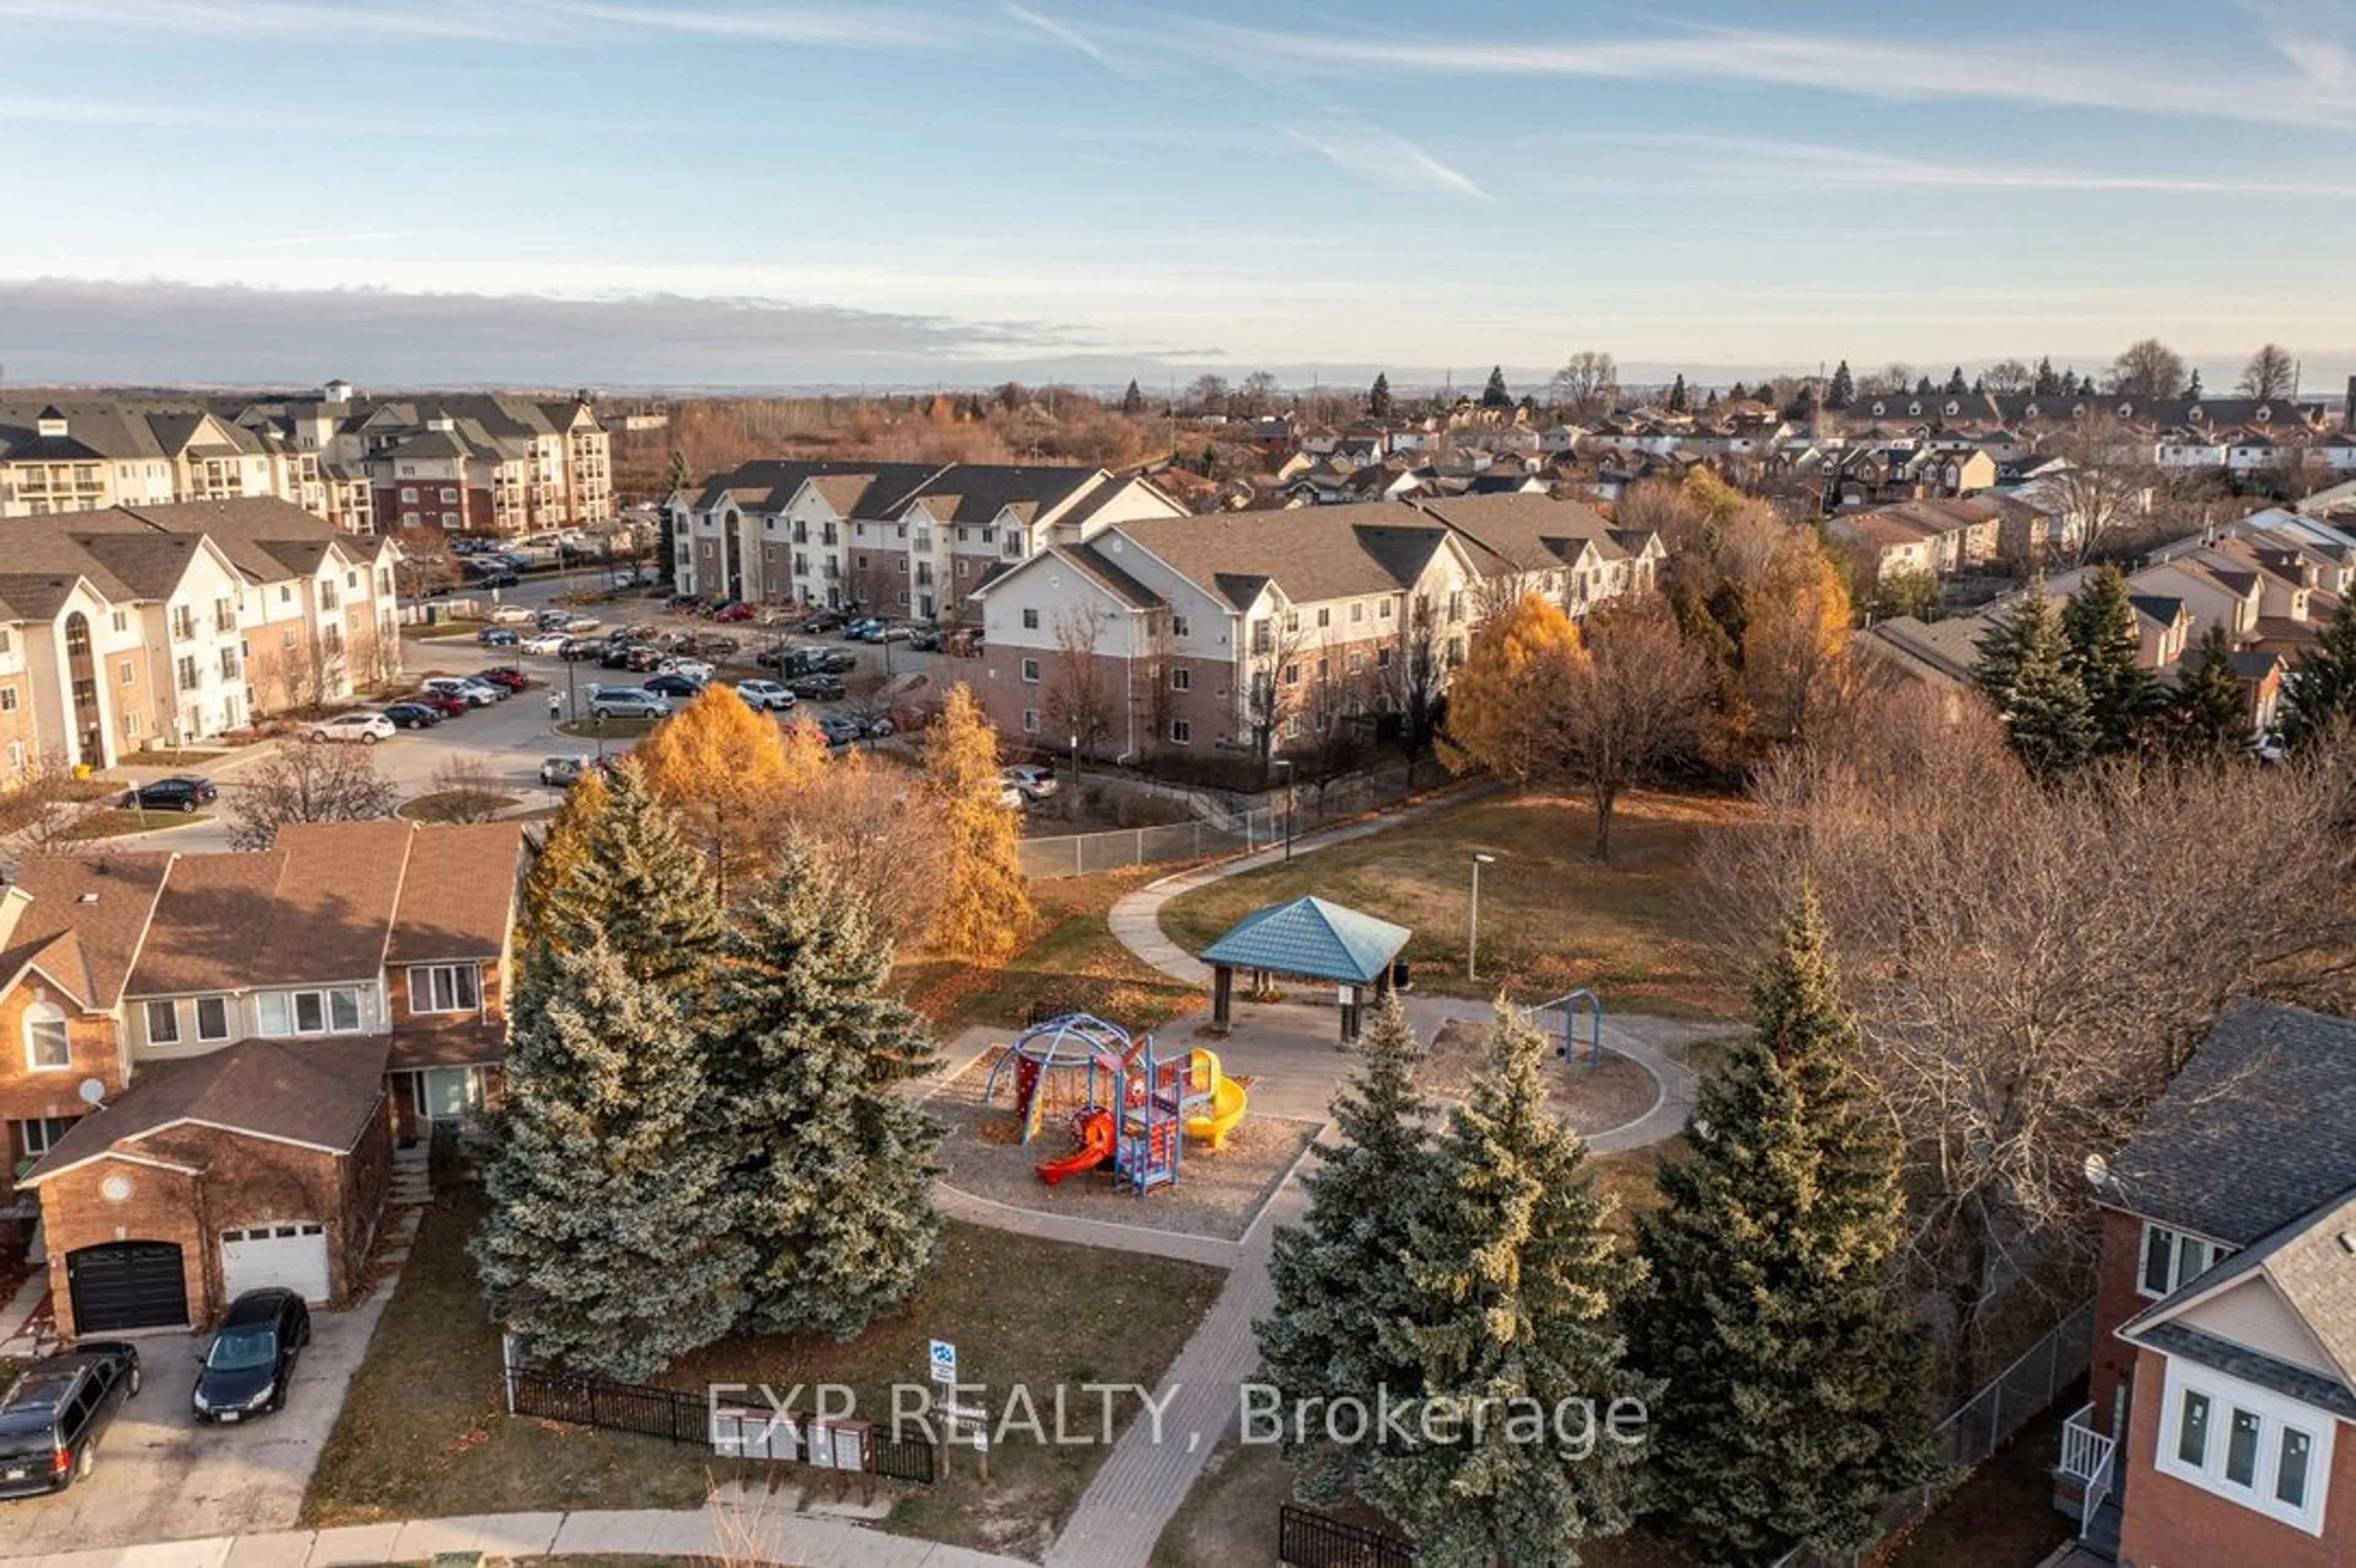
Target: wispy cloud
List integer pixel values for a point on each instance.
(1363, 149)
(2081, 73)
(363, 237)
(280, 18)
(1071, 37)
(537, 22)
(843, 26)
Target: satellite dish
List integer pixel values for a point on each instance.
(93, 1093)
(2098, 1170)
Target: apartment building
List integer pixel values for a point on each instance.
(904, 539)
(214, 1054)
(488, 462)
(159, 626)
(1197, 635)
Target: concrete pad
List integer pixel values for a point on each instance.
(279, 1549)
(209, 1552)
(518, 1534)
(421, 1538)
(604, 1532)
(354, 1543)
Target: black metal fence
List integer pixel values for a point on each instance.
(1309, 1539)
(580, 1399)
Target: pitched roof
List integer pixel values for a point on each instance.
(1093, 563)
(322, 1093)
(1310, 936)
(2259, 1128)
(101, 903)
(457, 897)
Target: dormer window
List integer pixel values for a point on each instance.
(47, 1047)
(2266, 415)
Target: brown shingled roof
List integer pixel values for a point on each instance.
(459, 894)
(121, 892)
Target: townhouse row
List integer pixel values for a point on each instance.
(488, 464)
(205, 1060)
(141, 626)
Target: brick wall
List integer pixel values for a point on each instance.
(26, 1094)
(2117, 1299)
(2169, 1523)
(16, 722)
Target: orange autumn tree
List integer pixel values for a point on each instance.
(985, 905)
(563, 851)
(1797, 663)
(1502, 700)
(723, 770)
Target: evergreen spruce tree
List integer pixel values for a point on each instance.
(2121, 695)
(1737, 392)
(2044, 384)
(1796, 1373)
(1337, 1274)
(1923, 386)
(1677, 395)
(1378, 397)
(2319, 693)
(639, 884)
(1496, 394)
(2024, 671)
(2192, 387)
(1956, 385)
(832, 1165)
(1132, 401)
(2211, 717)
(609, 1247)
(2086, 388)
(1979, 386)
(1513, 1277)
(1843, 391)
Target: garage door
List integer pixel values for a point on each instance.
(293, 1255)
(127, 1284)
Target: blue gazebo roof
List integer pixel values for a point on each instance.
(1312, 937)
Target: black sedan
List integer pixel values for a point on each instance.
(673, 686)
(185, 792)
(817, 688)
(251, 1359)
(413, 715)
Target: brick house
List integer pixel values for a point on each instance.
(2221, 1419)
(215, 1054)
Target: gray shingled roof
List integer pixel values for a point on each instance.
(2309, 1388)
(2258, 1129)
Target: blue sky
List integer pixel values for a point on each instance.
(905, 192)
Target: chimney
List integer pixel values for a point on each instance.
(2348, 414)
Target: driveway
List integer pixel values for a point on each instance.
(159, 1477)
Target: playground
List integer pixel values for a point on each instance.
(1079, 1116)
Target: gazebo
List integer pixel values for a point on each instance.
(1311, 938)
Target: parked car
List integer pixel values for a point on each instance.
(824, 621)
(442, 702)
(544, 643)
(735, 612)
(841, 730)
(582, 648)
(764, 695)
(366, 727)
(577, 624)
(498, 577)
(251, 1362)
(60, 1406)
(1036, 783)
(819, 688)
(840, 661)
(627, 702)
(465, 689)
(712, 646)
(558, 772)
(413, 715)
(928, 641)
(891, 634)
(504, 675)
(182, 791)
(512, 615)
(696, 670)
(863, 629)
(614, 656)
(1013, 799)
(552, 620)
(497, 638)
(679, 686)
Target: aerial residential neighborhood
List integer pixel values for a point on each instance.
(1069, 787)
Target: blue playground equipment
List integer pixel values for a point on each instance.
(1098, 1073)
(1570, 1004)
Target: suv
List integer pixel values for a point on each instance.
(251, 1359)
(51, 1421)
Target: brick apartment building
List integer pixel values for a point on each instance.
(1197, 635)
(150, 626)
(211, 1055)
(908, 541)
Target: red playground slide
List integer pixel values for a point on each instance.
(1096, 1148)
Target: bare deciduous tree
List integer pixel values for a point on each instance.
(2024, 991)
(469, 790)
(1083, 699)
(1586, 384)
(1634, 702)
(2106, 486)
(2147, 369)
(306, 781)
(2270, 374)
(43, 809)
(1269, 698)
(2007, 376)
(1414, 680)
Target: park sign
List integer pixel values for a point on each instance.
(943, 1362)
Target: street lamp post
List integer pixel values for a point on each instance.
(1286, 764)
(1473, 918)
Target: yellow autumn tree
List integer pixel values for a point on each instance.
(1503, 701)
(723, 771)
(1797, 663)
(985, 905)
(564, 851)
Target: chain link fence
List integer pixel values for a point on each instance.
(1087, 854)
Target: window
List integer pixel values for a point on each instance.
(2242, 1448)
(2290, 1467)
(187, 672)
(126, 674)
(862, 563)
(1382, 658)
(1030, 620)
(1357, 610)
(48, 1048)
(7, 700)
(1292, 620)
(1178, 626)
(344, 1011)
(1357, 662)
(1029, 721)
(1031, 671)
(446, 1094)
(2172, 1259)
(163, 1023)
(122, 619)
(310, 1013)
(1290, 675)
(1263, 637)
(1181, 680)
(1324, 615)
(39, 1135)
(2272, 1456)
(212, 1018)
(409, 496)
(1181, 733)
(444, 988)
(2193, 1430)
(448, 495)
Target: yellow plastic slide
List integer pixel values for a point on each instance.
(1228, 1103)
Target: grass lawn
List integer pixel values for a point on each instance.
(1069, 962)
(115, 822)
(422, 1433)
(165, 757)
(455, 806)
(615, 730)
(1551, 917)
